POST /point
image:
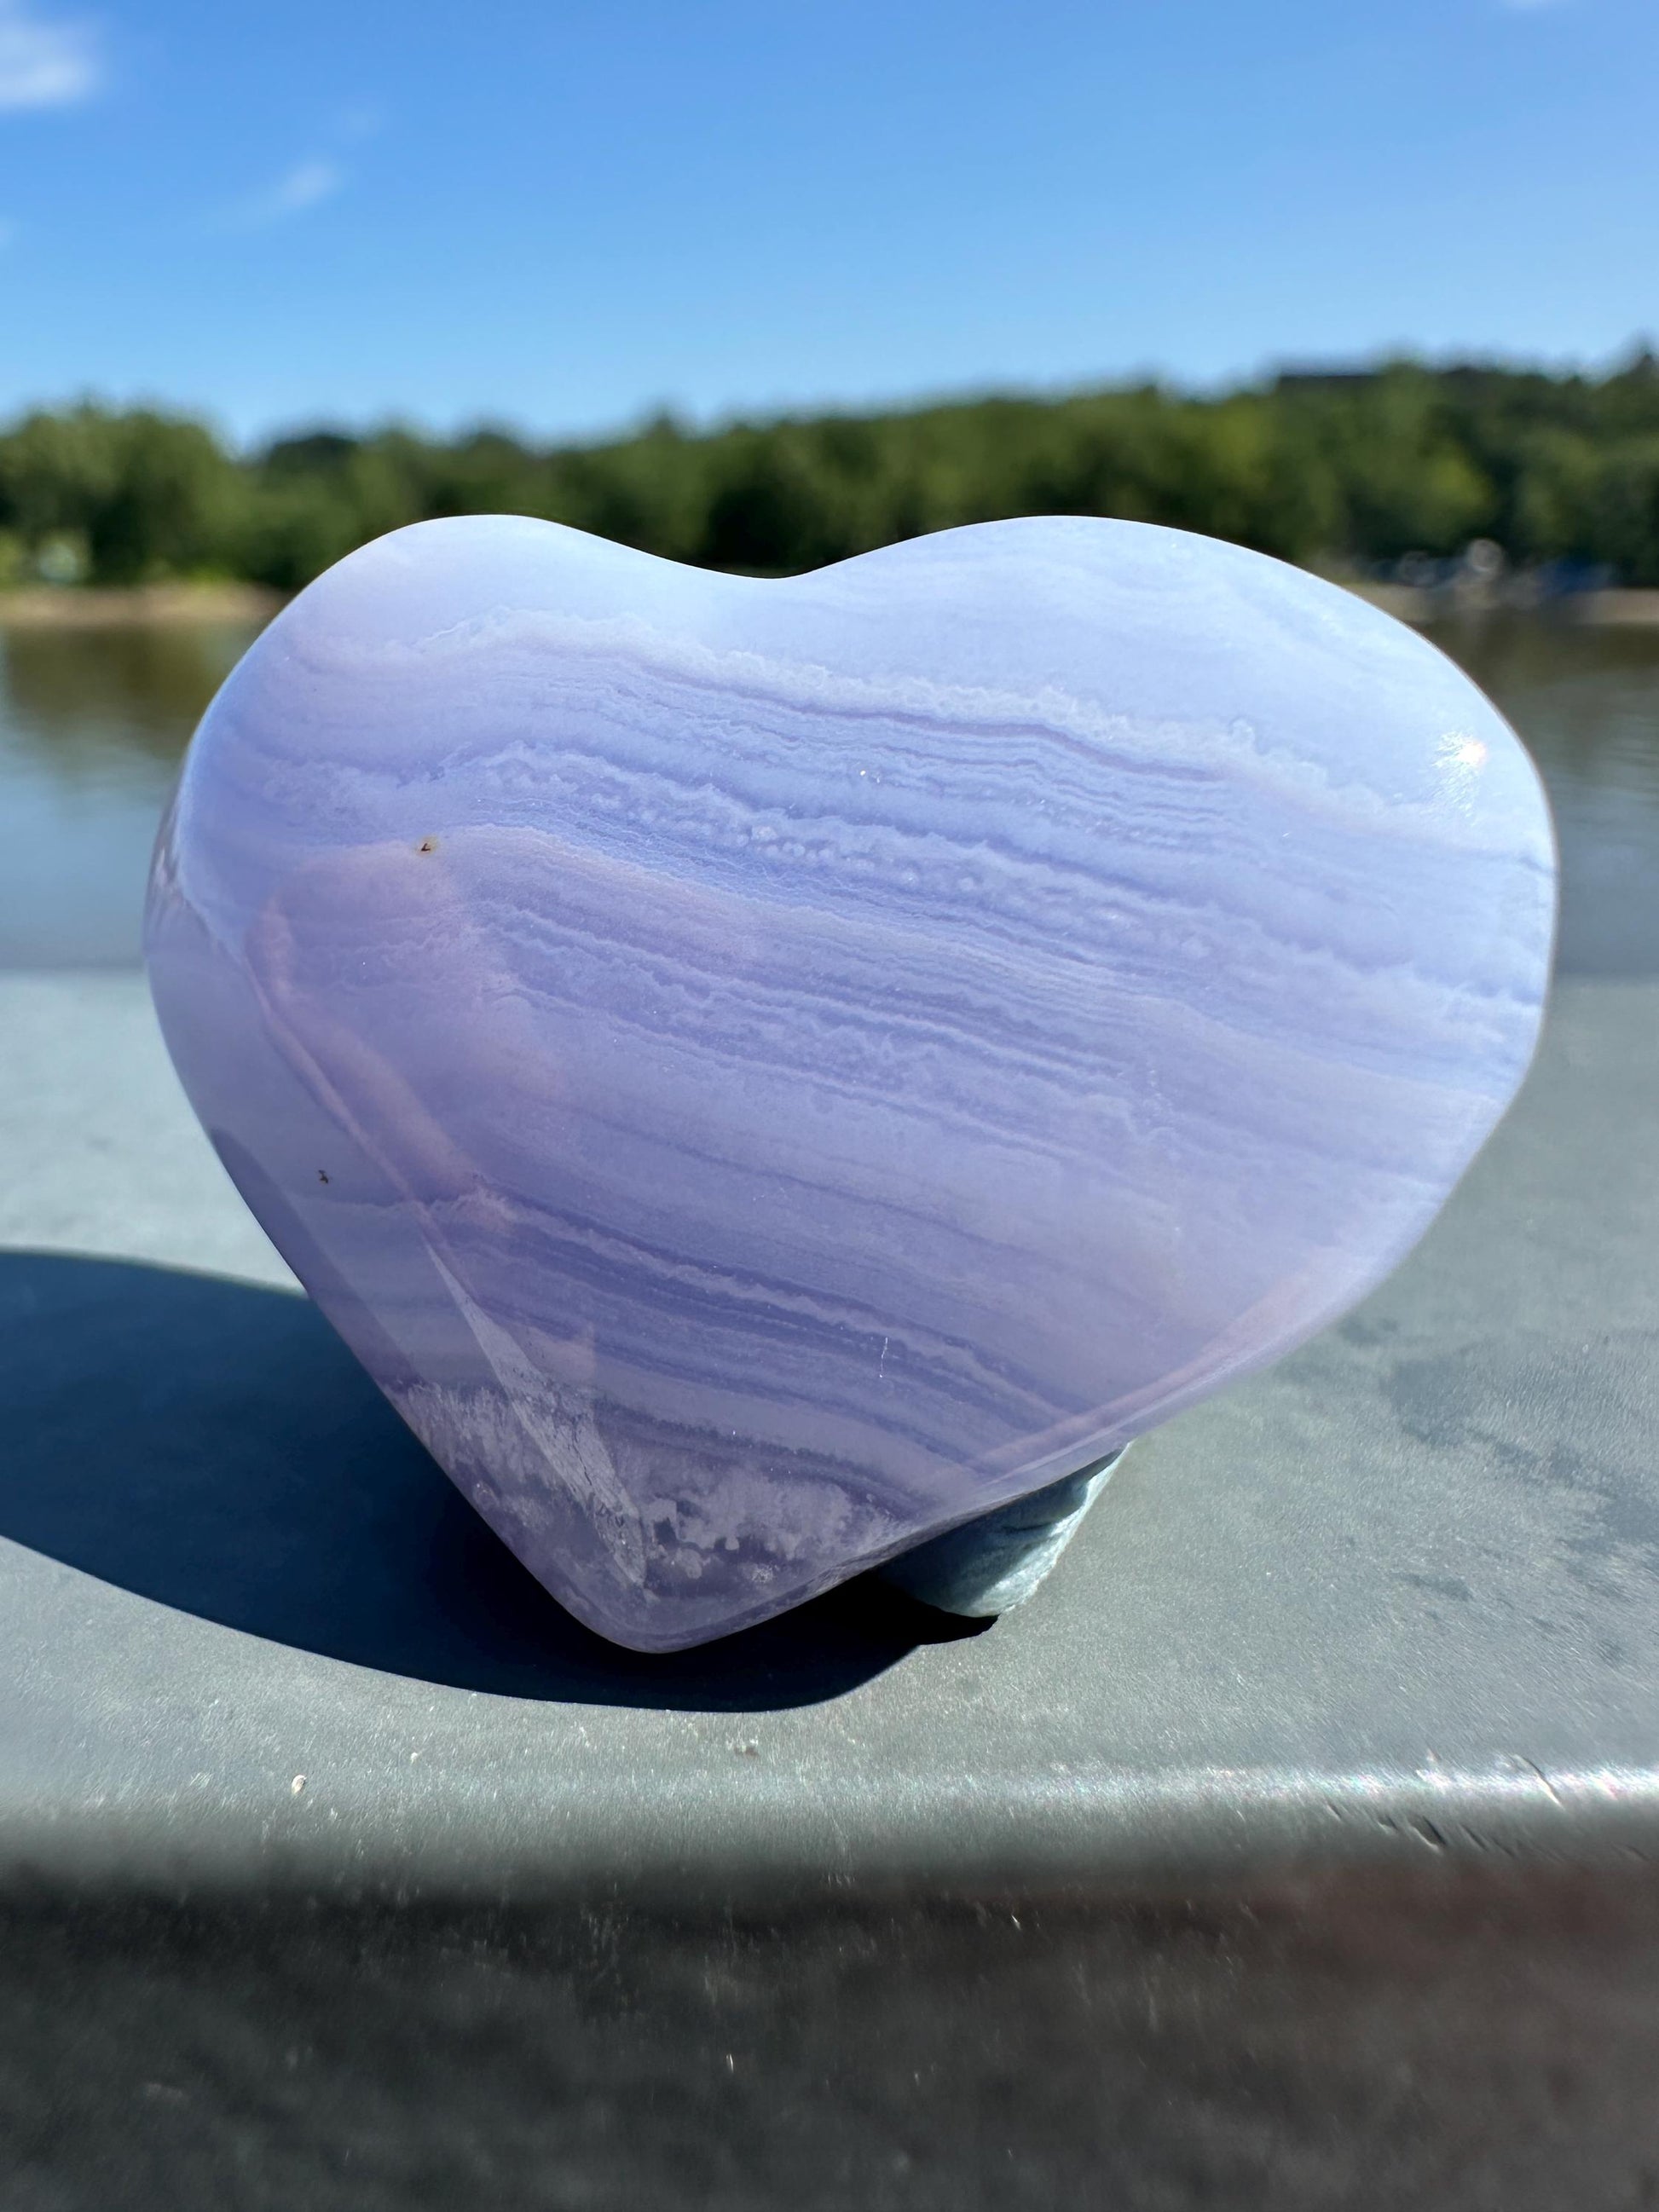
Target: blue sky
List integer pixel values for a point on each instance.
(566, 215)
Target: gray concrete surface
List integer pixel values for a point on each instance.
(1298, 1845)
(99, 1151)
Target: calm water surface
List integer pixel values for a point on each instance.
(92, 723)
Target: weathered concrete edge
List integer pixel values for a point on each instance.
(1098, 1837)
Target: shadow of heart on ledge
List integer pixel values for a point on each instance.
(213, 1445)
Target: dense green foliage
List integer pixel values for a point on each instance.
(1363, 469)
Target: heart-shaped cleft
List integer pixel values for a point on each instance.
(761, 1073)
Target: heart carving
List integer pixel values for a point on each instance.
(763, 1071)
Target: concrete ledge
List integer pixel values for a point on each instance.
(1327, 1760)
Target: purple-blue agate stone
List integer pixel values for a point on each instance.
(761, 1073)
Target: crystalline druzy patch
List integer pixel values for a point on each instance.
(763, 1071)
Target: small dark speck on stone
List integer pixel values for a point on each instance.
(1439, 1585)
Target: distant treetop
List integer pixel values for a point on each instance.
(1357, 467)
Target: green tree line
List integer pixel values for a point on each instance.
(1361, 468)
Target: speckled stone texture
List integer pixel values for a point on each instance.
(763, 1071)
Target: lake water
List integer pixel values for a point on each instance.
(92, 723)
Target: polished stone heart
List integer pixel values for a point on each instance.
(763, 1071)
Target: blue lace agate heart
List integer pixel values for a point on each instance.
(761, 1073)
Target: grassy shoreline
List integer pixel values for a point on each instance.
(1419, 604)
(97, 607)
(71, 606)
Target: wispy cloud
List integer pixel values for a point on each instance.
(362, 121)
(45, 61)
(307, 184)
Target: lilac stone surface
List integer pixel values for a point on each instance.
(763, 1071)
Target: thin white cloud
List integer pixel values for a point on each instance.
(365, 121)
(307, 184)
(45, 61)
